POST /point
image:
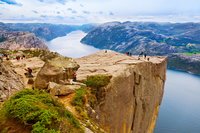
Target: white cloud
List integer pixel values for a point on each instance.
(96, 11)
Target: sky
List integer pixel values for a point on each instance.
(98, 11)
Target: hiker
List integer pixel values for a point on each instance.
(23, 57)
(18, 58)
(141, 54)
(5, 55)
(145, 55)
(29, 72)
(74, 76)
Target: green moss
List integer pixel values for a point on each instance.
(97, 81)
(42, 111)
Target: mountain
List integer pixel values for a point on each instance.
(20, 40)
(152, 38)
(185, 62)
(45, 31)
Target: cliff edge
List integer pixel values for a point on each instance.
(130, 102)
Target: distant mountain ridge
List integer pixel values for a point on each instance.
(45, 31)
(153, 38)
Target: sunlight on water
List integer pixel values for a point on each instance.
(71, 46)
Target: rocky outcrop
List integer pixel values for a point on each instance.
(61, 90)
(10, 82)
(20, 40)
(131, 100)
(57, 70)
(183, 62)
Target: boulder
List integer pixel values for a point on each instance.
(61, 90)
(57, 70)
(10, 82)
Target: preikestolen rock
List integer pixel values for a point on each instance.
(57, 70)
(61, 90)
(130, 102)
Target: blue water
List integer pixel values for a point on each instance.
(180, 109)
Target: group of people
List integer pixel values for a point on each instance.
(143, 54)
(128, 53)
(20, 57)
(2, 56)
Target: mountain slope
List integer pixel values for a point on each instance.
(153, 38)
(45, 31)
(20, 40)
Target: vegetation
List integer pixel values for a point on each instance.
(97, 81)
(2, 39)
(191, 53)
(40, 110)
(79, 98)
(79, 101)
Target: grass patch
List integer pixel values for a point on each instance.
(191, 53)
(42, 111)
(79, 98)
(97, 81)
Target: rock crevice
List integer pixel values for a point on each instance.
(134, 94)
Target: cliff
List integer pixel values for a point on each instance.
(126, 96)
(20, 40)
(10, 81)
(131, 101)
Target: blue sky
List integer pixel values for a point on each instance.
(99, 11)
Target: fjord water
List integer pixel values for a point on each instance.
(71, 46)
(180, 109)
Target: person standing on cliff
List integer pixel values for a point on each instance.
(74, 76)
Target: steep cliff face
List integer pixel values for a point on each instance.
(20, 40)
(131, 101)
(10, 81)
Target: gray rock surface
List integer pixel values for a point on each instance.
(10, 82)
(57, 70)
(61, 90)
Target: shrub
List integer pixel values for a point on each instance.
(41, 110)
(97, 81)
(79, 98)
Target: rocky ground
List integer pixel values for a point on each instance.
(135, 85)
